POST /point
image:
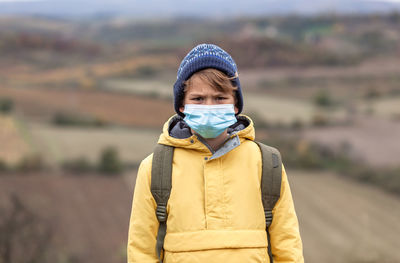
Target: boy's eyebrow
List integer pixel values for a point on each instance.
(201, 94)
(196, 94)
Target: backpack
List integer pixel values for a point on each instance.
(161, 182)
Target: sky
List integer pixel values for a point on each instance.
(206, 8)
(53, 0)
(11, 1)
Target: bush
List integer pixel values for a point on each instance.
(6, 105)
(31, 163)
(69, 119)
(297, 124)
(323, 99)
(394, 92)
(259, 121)
(78, 165)
(306, 155)
(372, 93)
(311, 156)
(392, 180)
(146, 71)
(3, 166)
(320, 120)
(109, 162)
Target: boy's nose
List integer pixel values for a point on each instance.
(208, 101)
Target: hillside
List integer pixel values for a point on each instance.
(87, 216)
(340, 220)
(324, 90)
(344, 221)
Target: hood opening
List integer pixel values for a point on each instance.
(178, 128)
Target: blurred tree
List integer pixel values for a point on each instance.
(24, 238)
(323, 99)
(6, 105)
(78, 166)
(30, 163)
(372, 93)
(146, 71)
(320, 119)
(3, 166)
(73, 119)
(109, 162)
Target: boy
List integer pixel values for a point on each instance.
(214, 212)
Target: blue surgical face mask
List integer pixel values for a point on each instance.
(209, 120)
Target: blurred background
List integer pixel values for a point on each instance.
(85, 87)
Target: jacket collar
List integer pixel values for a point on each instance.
(178, 134)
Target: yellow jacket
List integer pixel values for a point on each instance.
(215, 212)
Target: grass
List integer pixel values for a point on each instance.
(13, 144)
(143, 87)
(275, 109)
(278, 111)
(65, 144)
(387, 107)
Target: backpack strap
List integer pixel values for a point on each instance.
(161, 182)
(270, 184)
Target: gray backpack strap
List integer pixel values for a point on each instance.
(161, 182)
(270, 184)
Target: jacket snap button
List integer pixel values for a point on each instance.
(191, 141)
(205, 158)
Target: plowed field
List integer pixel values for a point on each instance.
(111, 107)
(340, 220)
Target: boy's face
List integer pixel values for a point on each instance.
(201, 93)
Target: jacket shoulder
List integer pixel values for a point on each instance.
(144, 170)
(146, 162)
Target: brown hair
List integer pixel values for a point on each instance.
(215, 78)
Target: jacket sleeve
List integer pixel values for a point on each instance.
(143, 225)
(286, 243)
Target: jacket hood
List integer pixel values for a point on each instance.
(178, 134)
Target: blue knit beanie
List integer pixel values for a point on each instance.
(201, 57)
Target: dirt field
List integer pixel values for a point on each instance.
(340, 220)
(344, 221)
(89, 214)
(122, 109)
(376, 141)
(82, 71)
(346, 82)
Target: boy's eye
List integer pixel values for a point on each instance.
(197, 98)
(221, 98)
